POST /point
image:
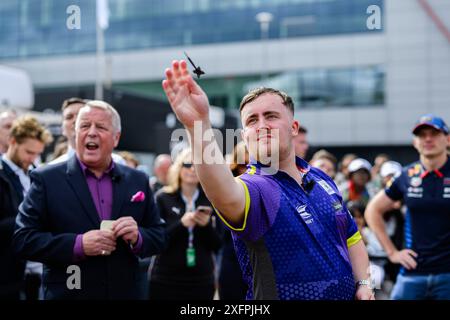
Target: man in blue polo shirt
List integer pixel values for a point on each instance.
(424, 186)
(294, 238)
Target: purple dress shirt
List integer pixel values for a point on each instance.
(101, 190)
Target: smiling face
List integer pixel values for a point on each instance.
(95, 138)
(268, 124)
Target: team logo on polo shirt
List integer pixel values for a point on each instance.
(414, 171)
(390, 182)
(326, 187)
(446, 181)
(415, 181)
(414, 192)
(307, 217)
(337, 206)
(446, 193)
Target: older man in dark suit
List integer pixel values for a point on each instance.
(89, 218)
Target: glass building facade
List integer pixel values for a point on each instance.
(39, 27)
(341, 87)
(362, 86)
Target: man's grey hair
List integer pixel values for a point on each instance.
(161, 158)
(115, 117)
(7, 113)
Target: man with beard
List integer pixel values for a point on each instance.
(27, 141)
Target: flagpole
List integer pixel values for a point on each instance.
(100, 57)
(101, 24)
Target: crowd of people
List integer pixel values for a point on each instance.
(195, 230)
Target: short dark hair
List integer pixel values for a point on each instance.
(302, 129)
(255, 93)
(73, 100)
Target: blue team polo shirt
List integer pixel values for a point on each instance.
(427, 228)
(293, 243)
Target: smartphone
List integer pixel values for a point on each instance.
(204, 209)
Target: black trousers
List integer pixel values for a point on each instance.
(32, 286)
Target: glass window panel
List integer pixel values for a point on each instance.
(317, 88)
(145, 23)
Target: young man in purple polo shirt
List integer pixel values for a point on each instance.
(293, 235)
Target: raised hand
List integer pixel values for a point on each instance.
(187, 99)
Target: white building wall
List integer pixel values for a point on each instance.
(416, 56)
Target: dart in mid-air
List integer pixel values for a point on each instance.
(197, 70)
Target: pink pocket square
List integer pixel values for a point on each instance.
(138, 197)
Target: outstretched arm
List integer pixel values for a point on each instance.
(191, 106)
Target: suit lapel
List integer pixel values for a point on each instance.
(14, 180)
(119, 191)
(78, 183)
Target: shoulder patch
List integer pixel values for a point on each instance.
(252, 170)
(326, 187)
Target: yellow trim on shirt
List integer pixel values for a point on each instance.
(252, 171)
(247, 207)
(353, 239)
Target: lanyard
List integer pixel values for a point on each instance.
(190, 251)
(190, 206)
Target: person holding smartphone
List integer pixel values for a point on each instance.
(185, 269)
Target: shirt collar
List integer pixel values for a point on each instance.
(256, 166)
(439, 172)
(17, 170)
(194, 198)
(70, 151)
(86, 170)
(302, 165)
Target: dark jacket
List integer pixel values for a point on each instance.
(170, 266)
(11, 194)
(59, 206)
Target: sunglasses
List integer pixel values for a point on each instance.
(187, 165)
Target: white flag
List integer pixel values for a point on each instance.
(102, 14)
